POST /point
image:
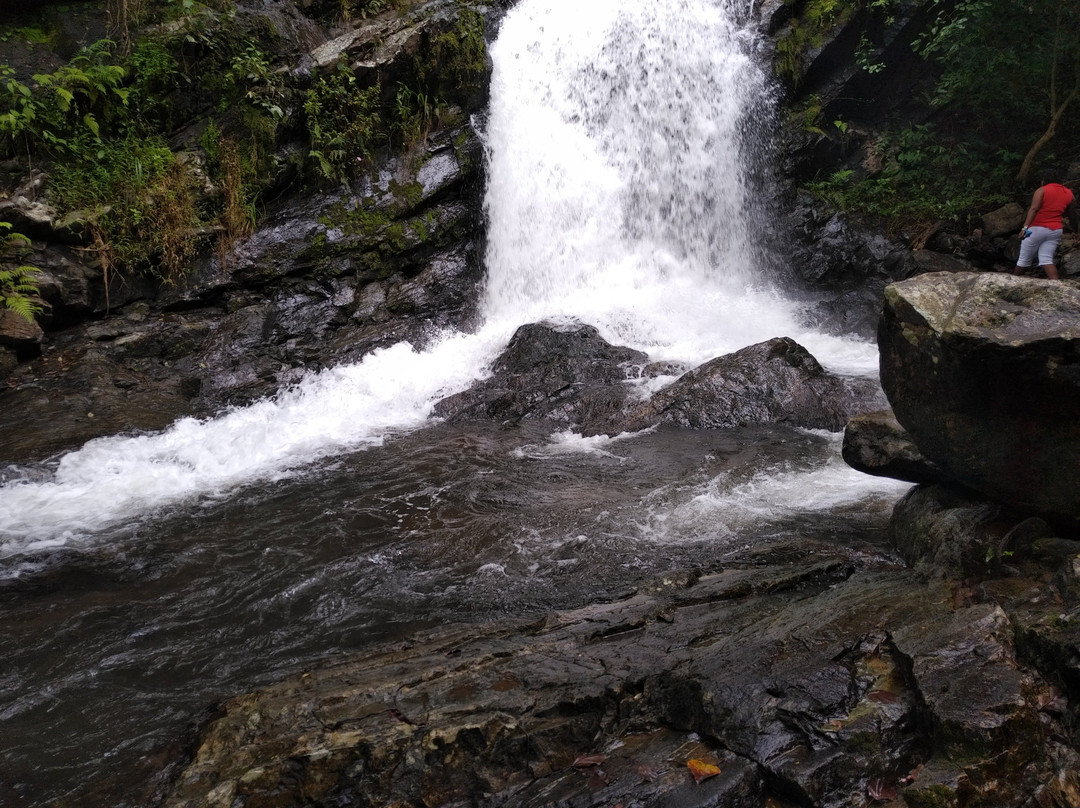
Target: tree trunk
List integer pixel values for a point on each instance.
(1051, 129)
(1055, 111)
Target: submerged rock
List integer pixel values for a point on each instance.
(981, 370)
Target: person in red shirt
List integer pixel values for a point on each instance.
(1041, 233)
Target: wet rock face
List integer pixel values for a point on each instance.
(981, 370)
(324, 281)
(801, 679)
(569, 375)
(777, 381)
(875, 443)
(843, 268)
(573, 377)
(329, 275)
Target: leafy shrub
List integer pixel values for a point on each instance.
(458, 57)
(924, 178)
(415, 115)
(343, 122)
(77, 99)
(138, 198)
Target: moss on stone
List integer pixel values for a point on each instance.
(937, 795)
(808, 31)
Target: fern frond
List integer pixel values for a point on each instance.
(23, 306)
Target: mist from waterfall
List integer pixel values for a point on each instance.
(619, 139)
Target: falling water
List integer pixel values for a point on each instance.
(619, 139)
(143, 578)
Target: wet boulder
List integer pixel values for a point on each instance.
(875, 443)
(568, 374)
(777, 381)
(1004, 220)
(19, 334)
(983, 371)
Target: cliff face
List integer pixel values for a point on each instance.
(320, 241)
(332, 184)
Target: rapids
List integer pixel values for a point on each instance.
(142, 578)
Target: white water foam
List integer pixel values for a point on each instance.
(110, 479)
(617, 196)
(728, 505)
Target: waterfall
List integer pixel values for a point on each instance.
(619, 136)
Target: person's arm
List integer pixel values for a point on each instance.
(1074, 220)
(1036, 203)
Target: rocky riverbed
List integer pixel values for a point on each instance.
(935, 668)
(804, 674)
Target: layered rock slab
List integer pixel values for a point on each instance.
(802, 681)
(983, 372)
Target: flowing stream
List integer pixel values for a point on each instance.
(144, 578)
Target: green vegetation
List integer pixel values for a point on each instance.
(923, 178)
(458, 56)
(1021, 79)
(343, 121)
(18, 292)
(104, 126)
(1002, 102)
(361, 9)
(66, 110)
(808, 31)
(138, 201)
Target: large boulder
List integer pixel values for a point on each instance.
(567, 374)
(777, 381)
(983, 371)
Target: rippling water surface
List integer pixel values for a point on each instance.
(144, 578)
(113, 647)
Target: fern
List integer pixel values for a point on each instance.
(18, 292)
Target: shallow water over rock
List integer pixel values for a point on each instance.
(116, 643)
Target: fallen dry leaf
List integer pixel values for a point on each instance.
(909, 778)
(878, 791)
(585, 761)
(646, 773)
(883, 697)
(702, 770)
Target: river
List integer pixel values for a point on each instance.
(144, 578)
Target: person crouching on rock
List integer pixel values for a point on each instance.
(1041, 233)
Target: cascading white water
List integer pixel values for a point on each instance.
(617, 196)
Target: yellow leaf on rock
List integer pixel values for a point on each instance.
(702, 770)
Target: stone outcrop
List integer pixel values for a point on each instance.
(875, 443)
(980, 370)
(804, 678)
(777, 381)
(329, 274)
(571, 376)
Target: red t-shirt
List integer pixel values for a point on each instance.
(1055, 199)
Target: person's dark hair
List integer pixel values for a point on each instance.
(1048, 175)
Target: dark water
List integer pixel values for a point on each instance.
(113, 650)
